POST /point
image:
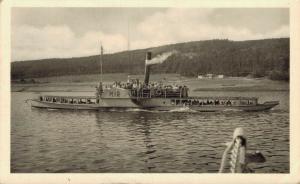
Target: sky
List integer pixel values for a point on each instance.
(39, 33)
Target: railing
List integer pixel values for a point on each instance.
(162, 93)
(239, 158)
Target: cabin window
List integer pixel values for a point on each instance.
(217, 102)
(207, 102)
(82, 101)
(251, 102)
(228, 102)
(195, 102)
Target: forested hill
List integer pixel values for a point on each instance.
(258, 58)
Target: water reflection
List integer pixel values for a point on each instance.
(143, 121)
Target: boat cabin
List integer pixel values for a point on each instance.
(132, 90)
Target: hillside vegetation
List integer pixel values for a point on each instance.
(257, 58)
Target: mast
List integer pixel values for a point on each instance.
(128, 45)
(101, 61)
(128, 36)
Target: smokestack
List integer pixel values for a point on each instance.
(147, 68)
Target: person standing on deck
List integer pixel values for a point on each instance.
(99, 91)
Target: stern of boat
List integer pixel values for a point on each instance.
(265, 106)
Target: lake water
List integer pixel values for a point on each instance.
(141, 141)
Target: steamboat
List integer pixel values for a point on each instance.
(150, 96)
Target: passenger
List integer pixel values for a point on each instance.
(134, 85)
(181, 91)
(175, 87)
(166, 91)
(186, 91)
(196, 102)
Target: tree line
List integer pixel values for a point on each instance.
(257, 58)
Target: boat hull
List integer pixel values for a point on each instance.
(51, 105)
(258, 107)
(149, 104)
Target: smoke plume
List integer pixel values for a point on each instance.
(160, 58)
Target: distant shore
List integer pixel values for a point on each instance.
(87, 83)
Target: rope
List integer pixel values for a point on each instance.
(237, 156)
(224, 157)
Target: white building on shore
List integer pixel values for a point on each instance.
(211, 76)
(220, 76)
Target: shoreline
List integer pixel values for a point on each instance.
(88, 83)
(90, 87)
